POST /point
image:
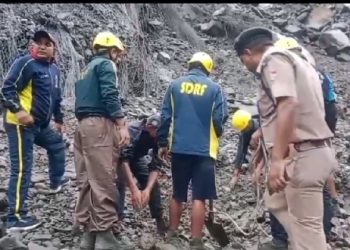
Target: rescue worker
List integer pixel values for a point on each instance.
(196, 107)
(247, 124)
(102, 130)
(134, 163)
(31, 95)
(295, 134)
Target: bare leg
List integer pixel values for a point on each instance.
(198, 216)
(175, 214)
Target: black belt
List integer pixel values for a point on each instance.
(313, 143)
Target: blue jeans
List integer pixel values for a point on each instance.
(280, 234)
(21, 141)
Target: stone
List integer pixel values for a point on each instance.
(294, 30)
(341, 26)
(165, 75)
(265, 6)
(279, 22)
(333, 41)
(63, 15)
(164, 57)
(69, 25)
(88, 52)
(220, 12)
(302, 17)
(343, 56)
(319, 17)
(213, 28)
(162, 246)
(3, 162)
(2, 229)
(42, 237)
(147, 241)
(346, 7)
(12, 243)
(38, 178)
(156, 23)
(34, 246)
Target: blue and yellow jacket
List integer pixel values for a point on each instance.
(33, 85)
(195, 108)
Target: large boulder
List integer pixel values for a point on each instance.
(334, 41)
(319, 17)
(213, 28)
(295, 30)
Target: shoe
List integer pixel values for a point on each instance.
(197, 244)
(124, 243)
(173, 239)
(23, 225)
(274, 244)
(161, 227)
(11, 242)
(54, 189)
(88, 241)
(107, 241)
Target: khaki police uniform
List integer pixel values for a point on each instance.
(310, 160)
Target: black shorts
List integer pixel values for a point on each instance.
(200, 170)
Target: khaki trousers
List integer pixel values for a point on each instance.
(299, 208)
(95, 154)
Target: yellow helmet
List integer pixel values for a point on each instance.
(204, 59)
(287, 43)
(107, 39)
(241, 119)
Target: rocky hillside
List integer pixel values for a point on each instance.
(160, 39)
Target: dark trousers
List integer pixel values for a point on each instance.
(140, 170)
(21, 141)
(280, 234)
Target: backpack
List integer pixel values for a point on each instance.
(328, 89)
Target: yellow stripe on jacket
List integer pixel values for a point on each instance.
(214, 140)
(20, 173)
(26, 101)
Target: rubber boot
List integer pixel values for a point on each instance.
(173, 239)
(274, 244)
(88, 241)
(197, 244)
(107, 241)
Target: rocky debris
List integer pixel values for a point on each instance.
(319, 17)
(162, 246)
(34, 246)
(219, 12)
(2, 229)
(279, 22)
(164, 57)
(10, 242)
(340, 26)
(294, 30)
(346, 7)
(213, 28)
(147, 241)
(334, 41)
